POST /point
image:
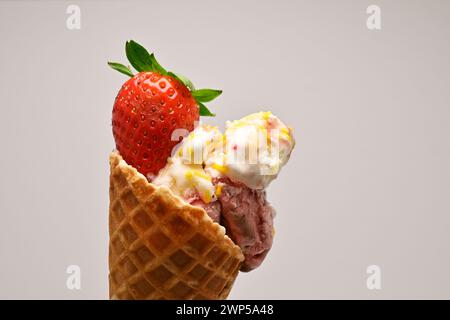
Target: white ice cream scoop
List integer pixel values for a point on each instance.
(255, 148)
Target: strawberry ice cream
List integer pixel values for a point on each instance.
(248, 219)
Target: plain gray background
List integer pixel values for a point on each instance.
(369, 180)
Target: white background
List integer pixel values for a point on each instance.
(368, 183)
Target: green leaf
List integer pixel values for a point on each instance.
(206, 95)
(188, 83)
(156, 66)
(121, 68)
(204, 111)
(138, 56)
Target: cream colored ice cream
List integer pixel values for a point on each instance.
(184, 173)
(252, 151)
(256, 148)
(226, 175)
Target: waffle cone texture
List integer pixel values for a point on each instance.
(161, 247)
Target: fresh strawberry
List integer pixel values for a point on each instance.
(150, 106)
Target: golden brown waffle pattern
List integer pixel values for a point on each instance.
(160, 246)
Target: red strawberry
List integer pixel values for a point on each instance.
(149, 107)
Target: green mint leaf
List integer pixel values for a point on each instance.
(138, 56)
(121, 68)
(188, 83)
(204, 111)
(206, 95)
(156, 66)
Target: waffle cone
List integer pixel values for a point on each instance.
(160, 246)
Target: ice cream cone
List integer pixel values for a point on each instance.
(160, 246)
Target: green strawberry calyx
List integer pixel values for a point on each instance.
(142, 60)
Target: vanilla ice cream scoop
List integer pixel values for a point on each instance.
(255, 148)
(197, 147)
(184, 173)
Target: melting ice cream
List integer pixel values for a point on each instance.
(226, 174)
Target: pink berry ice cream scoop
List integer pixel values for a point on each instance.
(248, 219)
